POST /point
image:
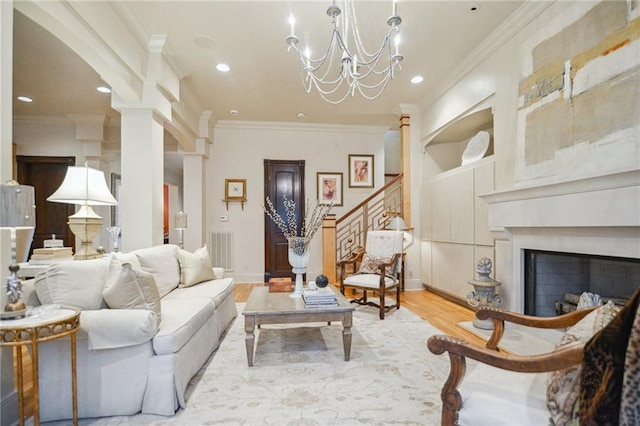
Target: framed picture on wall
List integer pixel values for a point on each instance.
(360, 171)
(235, 189)
(329, 188)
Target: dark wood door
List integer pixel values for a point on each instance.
(46, 174)
(281, 179)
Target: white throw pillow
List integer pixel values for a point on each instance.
(131, 289)
(161, 261)
(194, 267)
(76, 283)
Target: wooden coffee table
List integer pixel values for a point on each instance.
(279, 308)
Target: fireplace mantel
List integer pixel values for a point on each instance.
(598, 216)
(603, 201)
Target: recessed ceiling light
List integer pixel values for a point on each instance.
(25, 99)
(417, 79)
(103, 89)
(223, 67)
(301, 115)
(233, 112)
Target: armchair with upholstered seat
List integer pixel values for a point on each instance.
(591, 376)
(376, 269)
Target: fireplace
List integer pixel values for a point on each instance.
(554, 281)
(595, 217)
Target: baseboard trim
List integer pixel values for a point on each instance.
(449, 296)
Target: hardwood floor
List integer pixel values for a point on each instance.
(438, 311)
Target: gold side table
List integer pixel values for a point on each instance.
(49, 325)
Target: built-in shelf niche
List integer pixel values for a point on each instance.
(447, 145)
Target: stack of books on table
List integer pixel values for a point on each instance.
(46, 256)
(320, 298)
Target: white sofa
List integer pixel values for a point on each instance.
(131, 360)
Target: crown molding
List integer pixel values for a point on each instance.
(299, 127)
(42, 119)
(505, 32)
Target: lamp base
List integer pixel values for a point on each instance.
(86, 228)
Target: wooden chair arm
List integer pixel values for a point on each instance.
(459, 350)
(499, 317)
(539, 363)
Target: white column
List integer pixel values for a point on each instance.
(141, 200)
(9, 400)
(193, 195)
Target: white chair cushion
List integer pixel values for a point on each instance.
(161, 261)
(76, 283)
(368, 281)
(127, 288)
(181, 319)
(492, 396)
(194, 267)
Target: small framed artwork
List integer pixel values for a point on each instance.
(330, 188)
(235, 189)
(360, 171)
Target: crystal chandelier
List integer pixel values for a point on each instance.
(346, 67)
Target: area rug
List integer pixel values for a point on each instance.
(300, 377)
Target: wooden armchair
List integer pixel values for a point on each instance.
(532, 409)
(604, 342)
(375, 269)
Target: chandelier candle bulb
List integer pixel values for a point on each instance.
(394, 9)
(292, 22)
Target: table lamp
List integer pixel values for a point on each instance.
(398, 224)
(17, 211)
(86, 187)
(181, 225)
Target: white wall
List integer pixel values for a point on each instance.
(238, 152)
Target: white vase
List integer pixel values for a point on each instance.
(299, 259)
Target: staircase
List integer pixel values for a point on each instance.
(340, 237)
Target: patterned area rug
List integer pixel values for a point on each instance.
(300, 377)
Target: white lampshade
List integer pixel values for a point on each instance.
(83, 186)
(181, 220)
(397, 224)
(86, 187)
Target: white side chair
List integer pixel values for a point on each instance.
(379, 270)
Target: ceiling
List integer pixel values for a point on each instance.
(264, 81)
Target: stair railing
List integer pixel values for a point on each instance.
(344, 235)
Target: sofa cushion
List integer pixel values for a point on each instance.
(161, 261)
(127, 288)
(181, 319)
(216, 290)
(563, 386)
(76, 284)
(128, 258)
(194, 267)
(111, 329)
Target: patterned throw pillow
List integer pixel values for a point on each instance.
(563, 386)
(371, 265)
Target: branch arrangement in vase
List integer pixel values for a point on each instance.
(289, 226)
